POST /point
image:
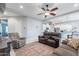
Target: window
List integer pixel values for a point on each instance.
(3, 27)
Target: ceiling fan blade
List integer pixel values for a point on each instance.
(47, 9)
(43, 9)
(52, 14)
(40, 13)
(54, 9)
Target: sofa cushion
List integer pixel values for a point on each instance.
(51, 41)
(68, 48)
(74, 43)
(64, 52)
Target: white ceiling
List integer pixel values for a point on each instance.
(32, 9)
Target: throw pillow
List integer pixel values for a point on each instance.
(74, 43)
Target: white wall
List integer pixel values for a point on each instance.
(32, 28)
(15, 24)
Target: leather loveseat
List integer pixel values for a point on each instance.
(50, 38)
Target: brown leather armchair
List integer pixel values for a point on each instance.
(17, 41)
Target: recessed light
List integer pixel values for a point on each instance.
(76, 5)
(21, 6)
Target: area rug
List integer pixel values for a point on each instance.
(34, 49)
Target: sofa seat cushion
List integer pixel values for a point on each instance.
(51, 41)
(68, 48)
(64, 52)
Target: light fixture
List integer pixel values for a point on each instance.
(5, 13)
(76, 5)
(46, 13)
(21, 6)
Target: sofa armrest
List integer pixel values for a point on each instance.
(68, 48)
(55, 38)
(64, 52)
(40, 36)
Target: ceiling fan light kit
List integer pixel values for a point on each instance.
(48, 11)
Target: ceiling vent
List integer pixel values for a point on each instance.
(2, 7)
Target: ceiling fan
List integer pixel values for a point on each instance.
(48, 11)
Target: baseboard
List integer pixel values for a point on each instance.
(29, 40)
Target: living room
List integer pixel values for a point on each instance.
(32, 31)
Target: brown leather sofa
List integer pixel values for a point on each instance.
(50, 38)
